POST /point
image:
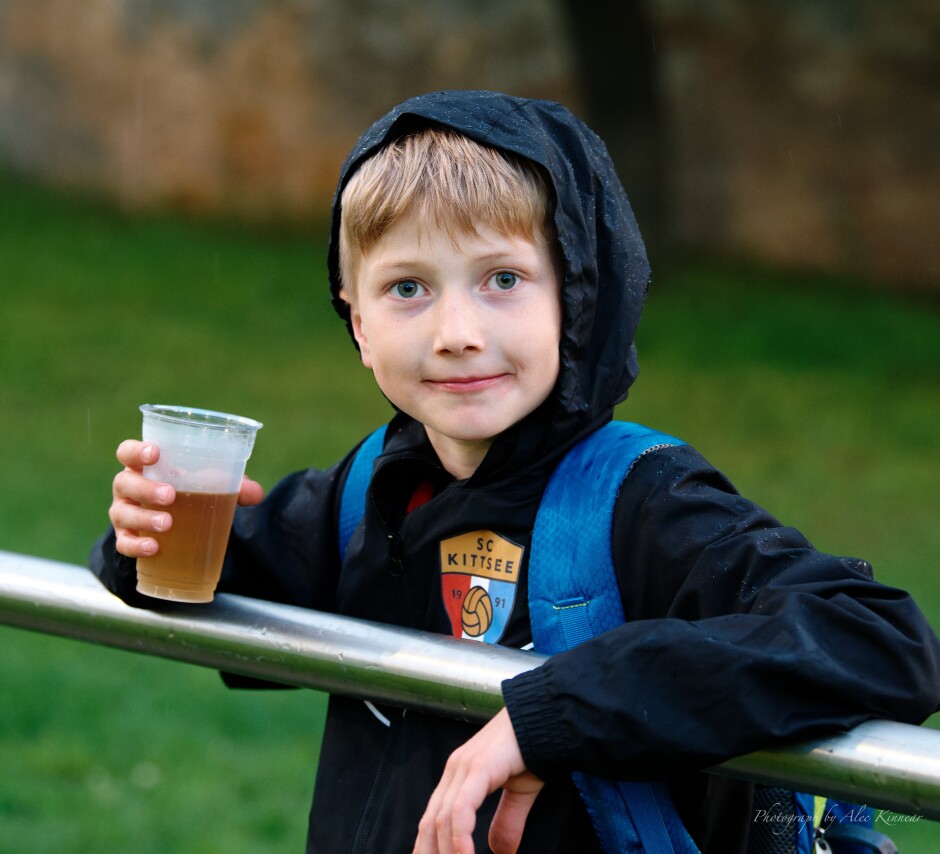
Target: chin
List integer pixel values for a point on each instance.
(463, 432)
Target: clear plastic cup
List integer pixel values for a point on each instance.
(203, 456)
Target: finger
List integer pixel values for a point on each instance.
(130, 485)
(457, 814)
(129, 544)
(458, 837)
(132, 517)
(251, 492)
(426, 843)
(434, 836)
(136, 454)
(505, 834)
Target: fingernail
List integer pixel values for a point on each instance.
(161, 522)
(162, 494)
(148, 547)
(146, 454)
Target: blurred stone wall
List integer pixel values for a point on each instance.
(244, 105)
(807, 132)
(800, 132)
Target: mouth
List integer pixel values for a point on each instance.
(466, 385)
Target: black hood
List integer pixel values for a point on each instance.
(606, 273)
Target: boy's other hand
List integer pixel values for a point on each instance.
(130, 490)
(488, 761)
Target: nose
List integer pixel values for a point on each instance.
(459, 327)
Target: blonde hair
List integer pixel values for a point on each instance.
(449, 181)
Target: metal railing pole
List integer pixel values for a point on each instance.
(883, 764)
(279, 643)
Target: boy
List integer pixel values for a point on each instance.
(492, 275)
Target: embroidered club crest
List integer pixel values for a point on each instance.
(479, 571)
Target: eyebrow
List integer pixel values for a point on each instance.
(497, 256)
(404, 264)
(395, 267)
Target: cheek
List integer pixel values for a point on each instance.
(550, 365)
(389, 361)
(546, 343)
(379, 337)
(398, 383)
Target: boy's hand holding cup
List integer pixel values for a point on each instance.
(174, 502)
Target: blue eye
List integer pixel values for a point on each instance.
(406, 289)
(505, 281)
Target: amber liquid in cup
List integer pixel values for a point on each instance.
(188, 564)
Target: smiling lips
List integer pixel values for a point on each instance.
(466, 385)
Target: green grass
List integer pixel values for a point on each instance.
(817, 397)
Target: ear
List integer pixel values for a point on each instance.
(359, 333)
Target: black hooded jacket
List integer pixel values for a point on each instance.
(740, 635)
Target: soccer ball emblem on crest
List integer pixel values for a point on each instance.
(477, 612)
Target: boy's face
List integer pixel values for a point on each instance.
(463, 338)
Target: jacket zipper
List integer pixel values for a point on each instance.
(367, 818)
(394, 554)
(392, 540)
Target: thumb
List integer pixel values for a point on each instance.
(251, 492)
(509, 821)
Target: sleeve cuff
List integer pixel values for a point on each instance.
(540, 733)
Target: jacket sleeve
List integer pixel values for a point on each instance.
(283, 549)
(739, 636)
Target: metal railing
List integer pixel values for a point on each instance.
(882, 764)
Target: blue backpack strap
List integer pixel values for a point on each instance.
(576, 598)
(352, 505)
(574, 595)
(849, 829)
